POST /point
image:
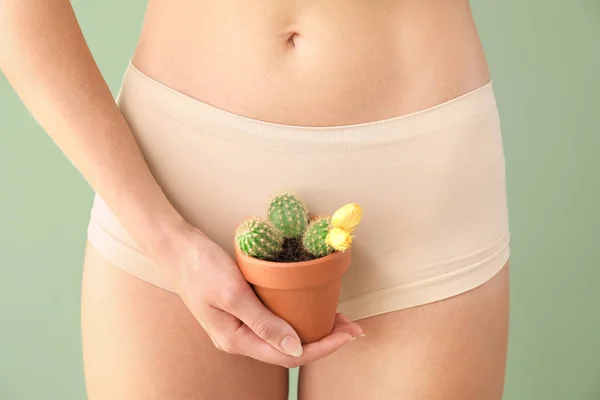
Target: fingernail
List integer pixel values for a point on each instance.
(291, 346)
(357, 336)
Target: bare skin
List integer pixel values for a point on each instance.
(142, 342)
(447, 350)
(306, 63)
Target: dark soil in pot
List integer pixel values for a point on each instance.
(293, 251)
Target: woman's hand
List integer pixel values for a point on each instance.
(213, 288)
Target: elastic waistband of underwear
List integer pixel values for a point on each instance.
(140, 90)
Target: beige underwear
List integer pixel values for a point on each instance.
(431, 185)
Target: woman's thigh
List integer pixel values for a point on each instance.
(141, 342)
(450, 349)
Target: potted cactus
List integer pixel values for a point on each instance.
(295, 262)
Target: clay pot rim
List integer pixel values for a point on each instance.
(294, 264)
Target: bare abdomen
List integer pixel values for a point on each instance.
(314, 62)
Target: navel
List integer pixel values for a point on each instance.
(294, 39)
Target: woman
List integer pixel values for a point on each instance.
(388, 104)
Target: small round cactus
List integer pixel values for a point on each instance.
(289, 215)
(314, 238)
(259, 238)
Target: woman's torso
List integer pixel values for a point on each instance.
(317, 63)
(443, 211)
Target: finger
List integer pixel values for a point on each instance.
(244, 341)
(264, 324)
(342, 333)
(233, 336)
(343, 318)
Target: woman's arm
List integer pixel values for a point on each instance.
(46, 59)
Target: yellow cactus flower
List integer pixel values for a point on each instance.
(339, 239)
(347, 217)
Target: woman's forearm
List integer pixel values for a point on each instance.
(46, 59)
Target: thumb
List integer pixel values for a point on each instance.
(266, 325)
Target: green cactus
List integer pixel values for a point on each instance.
(314, 238)
(289, 215)
(259, 238)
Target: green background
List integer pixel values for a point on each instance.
(545, 61)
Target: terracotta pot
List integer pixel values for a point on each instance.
(305, 294)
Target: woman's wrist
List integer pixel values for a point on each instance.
(177, 245)
(167, 237)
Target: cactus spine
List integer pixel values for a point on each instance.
(314, 238)
(259, 238)
(289, 215)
